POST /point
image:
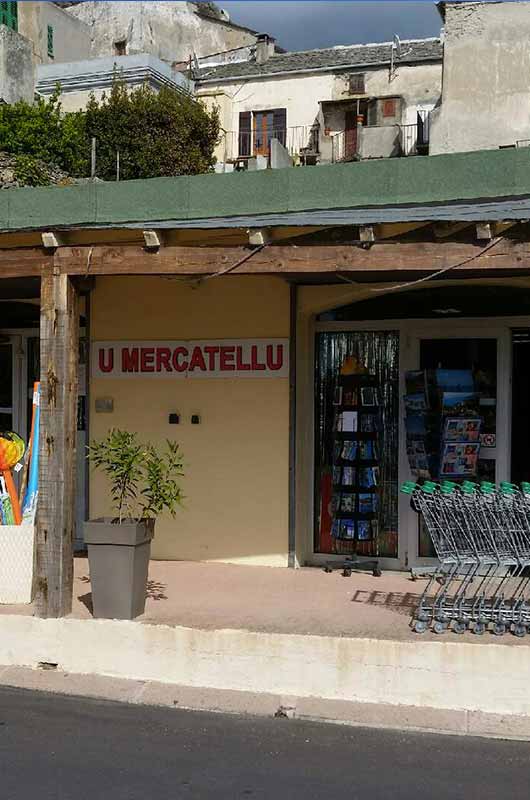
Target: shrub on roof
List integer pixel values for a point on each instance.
(156, 134)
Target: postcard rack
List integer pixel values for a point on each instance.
(356, 482)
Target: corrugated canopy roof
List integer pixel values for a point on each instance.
(397, 189)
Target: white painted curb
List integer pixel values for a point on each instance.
(491, 678)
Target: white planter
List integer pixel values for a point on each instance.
(17, 546)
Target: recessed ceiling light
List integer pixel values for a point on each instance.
(447, 311)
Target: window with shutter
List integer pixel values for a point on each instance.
(356, 83)
(279, 125)
(50, 41)
(245, 133)
(9, 14)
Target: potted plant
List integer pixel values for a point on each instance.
(144, 482)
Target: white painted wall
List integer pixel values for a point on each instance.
(301, 94)
(486, 78)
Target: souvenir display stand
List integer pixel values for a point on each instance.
(356, 494)
(17, 541)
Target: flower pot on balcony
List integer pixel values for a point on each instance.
(118, 556)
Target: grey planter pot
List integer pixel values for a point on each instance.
(118, 556)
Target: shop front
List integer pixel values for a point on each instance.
(416, 385)
(205, 364)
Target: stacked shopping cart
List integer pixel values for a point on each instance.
(481, 534)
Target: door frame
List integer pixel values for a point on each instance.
(410, 334)
(19, 341)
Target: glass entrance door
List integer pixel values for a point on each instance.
(459, 428)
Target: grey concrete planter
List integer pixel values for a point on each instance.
(118, 556)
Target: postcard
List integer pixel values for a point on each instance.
(415, 403)
(460, 429)
(459, 403)
(368, 423)
(369, 396)
(416, 382)
(454, 380)
(415, 425)
(459, 460)
(348, 476)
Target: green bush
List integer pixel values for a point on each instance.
(156, 134)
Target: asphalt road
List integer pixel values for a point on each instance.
(71, 749)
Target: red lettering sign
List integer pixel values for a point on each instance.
(147, 359)
(271, 363)
(197, 360)
(211, 351)
(109, 366)
(129, 359)
(240, 364)
(227, 359)
(163, 359)
(177, 365)
(254, 363)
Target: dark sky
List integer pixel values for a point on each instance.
(305, 25)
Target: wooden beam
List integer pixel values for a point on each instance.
(392, 230)
(59, 334)
(444, 230)
(507, 254)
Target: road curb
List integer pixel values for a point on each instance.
(226, 701)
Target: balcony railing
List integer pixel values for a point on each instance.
(380, 142)
(300, 141)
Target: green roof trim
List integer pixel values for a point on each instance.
(414, 181)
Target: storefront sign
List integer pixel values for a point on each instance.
(218, 358)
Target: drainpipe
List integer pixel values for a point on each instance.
(293, 314)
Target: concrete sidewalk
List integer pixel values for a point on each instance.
(251, 639)
(305, 601)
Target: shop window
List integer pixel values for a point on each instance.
(50, 41)
(9, 15)
(451, 414)
(357, 419)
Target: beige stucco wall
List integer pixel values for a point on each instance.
(486, 91)
(419, 85)
(71, 36)
(236, 482)
(172, 31)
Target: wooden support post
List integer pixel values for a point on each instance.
(59, 336)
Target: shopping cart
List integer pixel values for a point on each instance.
(481, 536)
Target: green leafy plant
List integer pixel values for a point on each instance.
(29, 171)
(144, 481)
(155, 133)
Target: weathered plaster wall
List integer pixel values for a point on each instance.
(236, 460)
(172, 31)
(71, 36)
(419, 85)
(486, 90)
(16, 67)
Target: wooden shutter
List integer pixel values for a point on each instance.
(356, 83)
(279, 124)
(50, 41)
(9, 14)
(245, 133)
